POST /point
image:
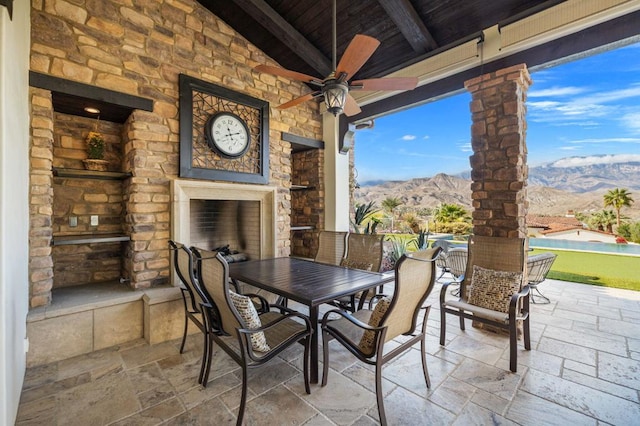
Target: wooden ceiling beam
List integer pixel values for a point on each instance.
(410, 25)
(266, 16)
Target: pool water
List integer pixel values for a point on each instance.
(627, 249)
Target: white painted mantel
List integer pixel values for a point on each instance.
(184, 190)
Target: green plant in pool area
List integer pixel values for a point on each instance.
(422, 241)
(399, 246)
(361, 213)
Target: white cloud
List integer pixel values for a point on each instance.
(606, 140)
(425, 137)
(614, 95)
(632, 121)
(570, 148)
(596, 159)
(465, 147)
(408, 137)
(556, 91)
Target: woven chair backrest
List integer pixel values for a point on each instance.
(456, 261)
(497, 253)
(183, 263)
(214, 278)
(415, 278)
(538, 267)
(332, 246)
(365, 249)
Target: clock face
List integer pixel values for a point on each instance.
(228, 134)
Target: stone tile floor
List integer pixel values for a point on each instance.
(583, 369)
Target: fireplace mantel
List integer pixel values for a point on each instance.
(184, 190)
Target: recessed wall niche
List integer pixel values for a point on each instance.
(76, 200)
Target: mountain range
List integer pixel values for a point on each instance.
(553, 189)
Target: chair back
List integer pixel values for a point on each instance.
(364, 251)
(184, 267)
(443, 244)
(538, 267)
(332, 247)
(213, 271)
(456, 261)
(497, 253)
(415, 278)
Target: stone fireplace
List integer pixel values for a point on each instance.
(214, 214)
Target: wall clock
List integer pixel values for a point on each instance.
(228, 134)
(224, 134)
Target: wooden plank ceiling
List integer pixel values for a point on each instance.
(298, 33)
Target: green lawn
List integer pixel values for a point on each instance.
(606, 270)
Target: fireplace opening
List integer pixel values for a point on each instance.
(210, 215)
(231, 226)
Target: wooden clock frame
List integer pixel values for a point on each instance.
(246, 170)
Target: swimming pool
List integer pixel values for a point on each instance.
(550, 243)
(627, 249)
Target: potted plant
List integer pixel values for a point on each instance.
(95, 152)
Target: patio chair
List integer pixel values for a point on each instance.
(249, 338)
(365, 333)
(441, 261)
(538, 267)
(332, 247)
(456, 264)
(493, 290)
(184, 267)
(364, 251)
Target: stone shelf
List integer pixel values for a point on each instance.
(302, 228)
(88, 239)
(301, 187)
(89, 174)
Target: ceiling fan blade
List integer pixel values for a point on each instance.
(288, 74)
(299, 100)
(351, 107)
(389, 83)
(357, 53)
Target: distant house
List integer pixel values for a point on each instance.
(576, 234)
(565, 228)
(539, 226)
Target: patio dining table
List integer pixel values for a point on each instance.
(306, 282)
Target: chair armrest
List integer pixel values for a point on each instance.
(443, 290)
(513, 303)
(374, 297)
(264, 304)
(348, 316)
(267, 355)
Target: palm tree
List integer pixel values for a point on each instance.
(602, 220)
(446, 212)
(389, 204)
(618, 198)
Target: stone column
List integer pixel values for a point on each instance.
(499, 160)
(40, 198)
(152, 157)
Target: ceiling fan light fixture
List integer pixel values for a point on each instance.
(335, 96)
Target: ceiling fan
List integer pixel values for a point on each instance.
(335, 87)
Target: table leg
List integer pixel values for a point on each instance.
(313, 316)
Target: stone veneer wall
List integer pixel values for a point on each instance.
(40, 198)
(86, 263)
(141, 48)
(307, 205)
(498, 163)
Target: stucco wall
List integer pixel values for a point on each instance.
(14, 207)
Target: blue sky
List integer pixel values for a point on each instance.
(584, 108)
